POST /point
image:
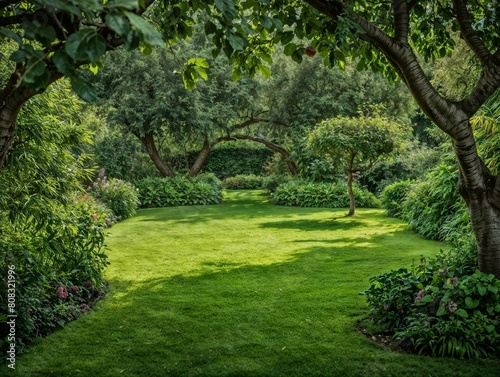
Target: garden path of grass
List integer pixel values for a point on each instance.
(244, 288)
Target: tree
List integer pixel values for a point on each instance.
(392, 37)
(424, 27)
(355, 144)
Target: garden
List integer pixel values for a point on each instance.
(246, 188)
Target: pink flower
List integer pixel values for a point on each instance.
(452, 307)
(95, 184)
(84, 308)
(89, 284)
(74, 288)
(386, 307)
(95, 217)
(453, 281)
(62, 292)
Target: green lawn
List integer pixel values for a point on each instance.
(241, 289)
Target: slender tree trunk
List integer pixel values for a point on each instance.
(202, 157)
(350, 179)
(150, 145)
(352, 201)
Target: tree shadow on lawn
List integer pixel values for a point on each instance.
(292, 318)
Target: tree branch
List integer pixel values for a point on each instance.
(401, 20)
(488, 83)
(469, 34)
(6, 3)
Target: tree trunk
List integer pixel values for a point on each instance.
(162, 167)
(202, 156)
(352, 201)
(11, 102)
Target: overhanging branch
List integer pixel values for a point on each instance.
(468, 34)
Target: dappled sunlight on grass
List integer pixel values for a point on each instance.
(240, 290)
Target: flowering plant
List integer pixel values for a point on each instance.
(119, 196)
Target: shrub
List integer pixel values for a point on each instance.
(237, 157)
(244, 182)
(328, 195)
(442, 307)
(433, 208)
(119, 196)
(179, 191)
(272, 182)
(209, 178)
(393, 196)
(63, 250)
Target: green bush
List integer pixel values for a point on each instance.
(119, 196)
(238, 157)
(434, 208)
(393, 197)
(443, 307)
(178, 191)
(63, 251)
(244, 182)
(327, 195)
(272, 182)
(209, 178)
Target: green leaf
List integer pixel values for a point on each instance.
(265, 71)
(471, 304)
(63, 63)
(95, 46)
(122, 4)
(290, 49)
(118, 24)
(441, 311)
(462, 313)
(237, 42)
(10, 34)
(227, 8)
(148, 32)
(74, 45)
(83, 88)
(482, 290)
(236, 74)
(18, 56)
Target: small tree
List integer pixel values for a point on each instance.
(355, 144)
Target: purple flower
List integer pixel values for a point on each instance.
(74, 288)
(443, 272)
(386, 307)
(420, 295)
(452, 307)
(89, 284)
(453, 281)
(84, 308)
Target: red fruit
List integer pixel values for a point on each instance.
(310, 51)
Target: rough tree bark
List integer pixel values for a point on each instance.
(149, 143)
(479, 188)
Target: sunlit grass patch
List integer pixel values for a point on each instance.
(244, 288)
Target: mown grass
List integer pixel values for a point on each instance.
(241, 289)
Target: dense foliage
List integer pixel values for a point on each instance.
(51, 237)
(230, 159)
(328, 195)
(244, 182)
(178, 191)
(442, 307)
(117, 195)
(393, 196)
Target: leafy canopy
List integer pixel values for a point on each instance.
(355, 143)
